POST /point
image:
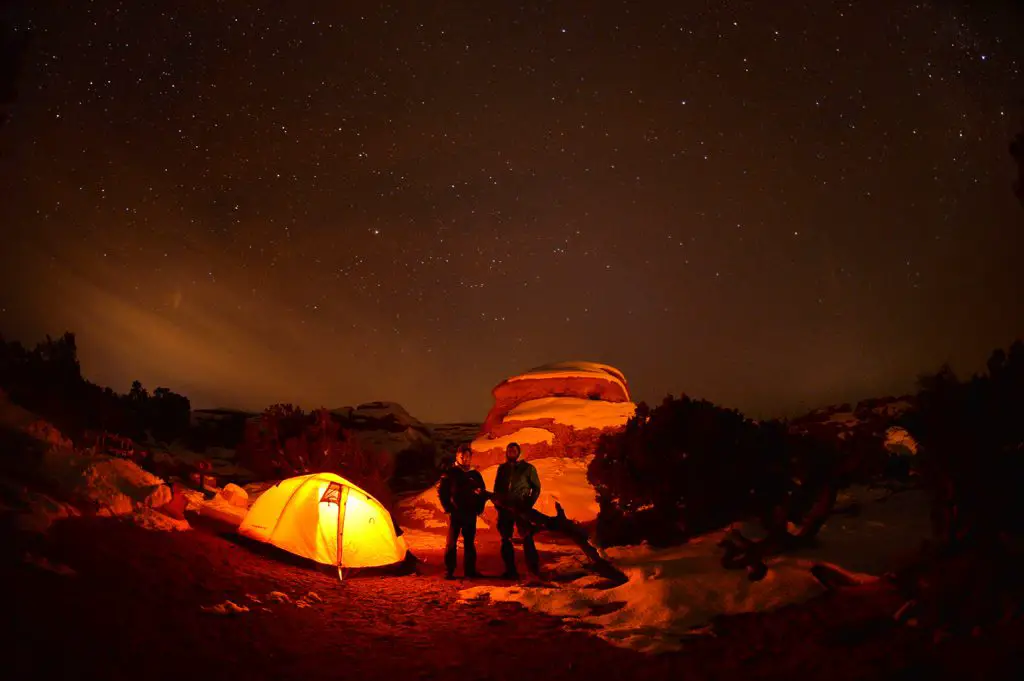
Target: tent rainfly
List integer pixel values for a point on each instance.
(325, 518)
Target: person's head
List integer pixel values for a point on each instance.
(464, 456)
(512, 452)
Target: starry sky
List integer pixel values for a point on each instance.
(772, 205)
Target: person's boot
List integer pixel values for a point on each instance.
(532, 557)
(469, 560)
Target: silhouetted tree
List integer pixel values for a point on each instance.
(285, 441)
(168, 415)
(971, 435)
(48, 381)
(971, 459)
(137, 393)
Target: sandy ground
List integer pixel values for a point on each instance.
(133, 610)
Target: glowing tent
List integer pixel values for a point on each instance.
(325, 518)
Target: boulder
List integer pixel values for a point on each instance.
(387, 427)
(223, 510)
(899, 442)
(82, 480)
(235, 495)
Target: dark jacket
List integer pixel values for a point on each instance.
(457, 491)
(517, 483)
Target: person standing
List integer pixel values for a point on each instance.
(462, 496)
(516, 489)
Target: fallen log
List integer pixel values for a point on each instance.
(562, 525)
(744, 553)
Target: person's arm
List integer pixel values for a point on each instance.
(444, 492)
(534, 481)
(501, 482)
(479, 499)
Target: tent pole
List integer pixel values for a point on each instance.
(342, 504)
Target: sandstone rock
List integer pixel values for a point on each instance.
(558, 410)
(534, 443)
(235, 495)
(160, 496)
(47, 434)
(387, 427)
(389, 416)
(584, 380)
(899, 442)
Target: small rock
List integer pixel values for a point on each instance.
(279, 597)
(225, 608)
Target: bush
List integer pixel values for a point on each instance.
(416, 468)
(685, 467)
(286, 441)
(689, 466)
(971, 438)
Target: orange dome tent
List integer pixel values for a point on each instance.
(325, 518)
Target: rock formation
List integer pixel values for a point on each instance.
(388, 427)
(555, 410)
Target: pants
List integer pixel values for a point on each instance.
(466, 526)
(507, 522)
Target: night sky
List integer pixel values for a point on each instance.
(772, 205)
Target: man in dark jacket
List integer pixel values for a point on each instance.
(516, 487)
(461, 492)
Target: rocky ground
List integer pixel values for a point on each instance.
(102, 598)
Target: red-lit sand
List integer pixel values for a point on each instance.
(133, 611)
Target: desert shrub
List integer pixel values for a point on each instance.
(373, 470)
(971, 439)
(285, 441)
(861, 457)
(274, 445)
(970, 436)
(684, 467)
(416, 467)
(226, 432)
